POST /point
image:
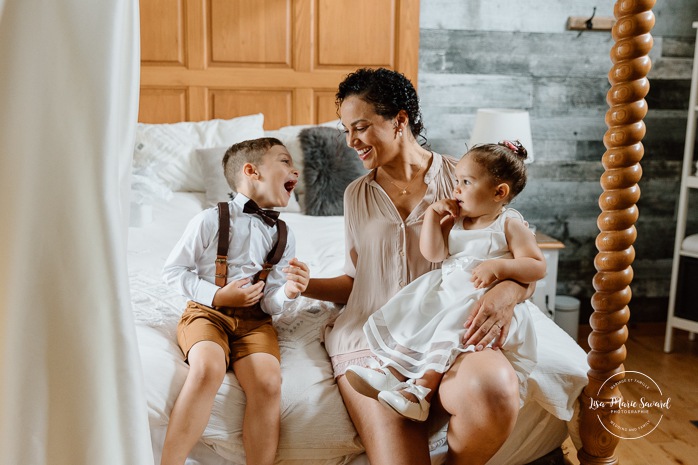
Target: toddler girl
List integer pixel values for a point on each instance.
(418, 333)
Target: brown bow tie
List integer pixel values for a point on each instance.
(270, 217)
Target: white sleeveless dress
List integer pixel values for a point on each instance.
(421, 327)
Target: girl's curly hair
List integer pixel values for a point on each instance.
(388, 91)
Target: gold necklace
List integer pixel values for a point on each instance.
(403, 190)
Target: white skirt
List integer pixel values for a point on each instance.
(421, 327)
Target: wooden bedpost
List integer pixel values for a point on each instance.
(624, 150)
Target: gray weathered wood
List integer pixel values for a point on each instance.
(518, 54)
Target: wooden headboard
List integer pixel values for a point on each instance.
(206, 59)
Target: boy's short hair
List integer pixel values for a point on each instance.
(248, 151)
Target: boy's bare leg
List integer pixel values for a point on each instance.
(192, 408)
(260, 377)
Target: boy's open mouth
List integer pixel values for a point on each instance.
(290, 185)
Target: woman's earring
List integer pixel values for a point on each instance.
(399, 132)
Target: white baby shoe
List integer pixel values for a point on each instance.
(369, 382)
(416, 411)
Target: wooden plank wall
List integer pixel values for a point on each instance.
(518, 54)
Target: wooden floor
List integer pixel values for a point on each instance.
(675, 441)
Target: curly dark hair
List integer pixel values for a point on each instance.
(505, 163)
(388, 91)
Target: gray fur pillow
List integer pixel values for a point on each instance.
(329, 167)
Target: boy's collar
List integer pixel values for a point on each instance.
(240, 199)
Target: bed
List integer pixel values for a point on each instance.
(315, 427)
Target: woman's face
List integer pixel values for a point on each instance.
(374, 138)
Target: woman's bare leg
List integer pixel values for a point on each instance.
(481, 393)
(388, 438)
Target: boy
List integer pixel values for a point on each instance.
(227, 322)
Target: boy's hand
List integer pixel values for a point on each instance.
(234, 295)
(297, 277)
(484, 274)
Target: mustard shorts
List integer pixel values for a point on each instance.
(239, 331)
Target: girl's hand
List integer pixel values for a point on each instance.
(439, 218)
(234, 294)
(484, 274)
(297, 278)
(445, 208)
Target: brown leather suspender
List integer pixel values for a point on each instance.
(275, 253)
(223, 243)
(273, 256)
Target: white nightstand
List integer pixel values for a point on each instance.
(544, 296)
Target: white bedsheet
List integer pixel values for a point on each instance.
(315, 426)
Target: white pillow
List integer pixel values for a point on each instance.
(289, 136)
(210, 162)
(175, 144)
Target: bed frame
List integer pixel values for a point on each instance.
(216, 59)
(624, 150)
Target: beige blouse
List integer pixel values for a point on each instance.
(382, 254)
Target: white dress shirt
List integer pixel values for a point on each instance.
(191, 266)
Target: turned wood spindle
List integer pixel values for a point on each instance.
(624, 150)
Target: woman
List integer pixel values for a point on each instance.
(379, 110)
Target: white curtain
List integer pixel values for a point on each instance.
(71, 389)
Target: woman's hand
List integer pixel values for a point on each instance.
(492, 314)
